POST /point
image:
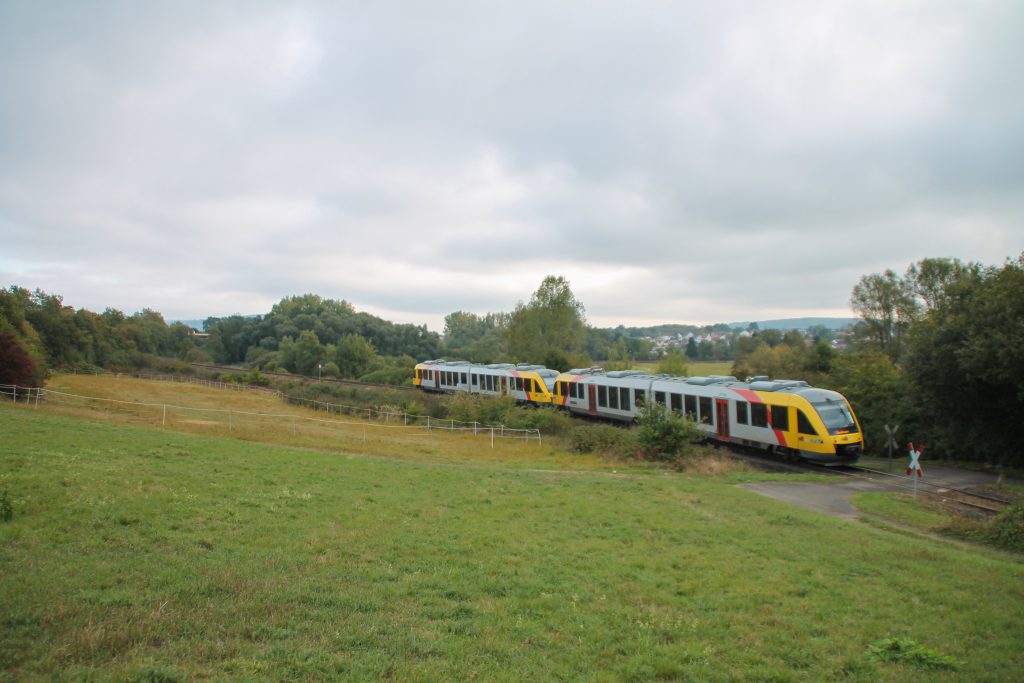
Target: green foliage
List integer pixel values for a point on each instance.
(17, 366)
(665, 435)
(907, 652)
(552, 322)
(886, 304)
(673, 363)
(1006, 530)
(965, 363)
(354, 355)
(309, 353)
(780, 361)
(877, 392)
(603, 439)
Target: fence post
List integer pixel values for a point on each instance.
(428, 423)
(492, 437)
(164, 424)
(15, 393)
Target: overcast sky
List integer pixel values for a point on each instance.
(677, 162)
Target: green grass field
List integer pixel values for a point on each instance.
(141, 553)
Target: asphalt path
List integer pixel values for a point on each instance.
(834, 499)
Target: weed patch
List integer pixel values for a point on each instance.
(907, 652)
(6, 507)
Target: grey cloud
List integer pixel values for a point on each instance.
(732, 158)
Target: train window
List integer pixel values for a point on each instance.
(691, 407)
(488, 383)
(780, 418)
(473, 379)
(706, 414)
(624, 398)
(803, 425)
(602, 396)
(659, 397)
(533, 385)
(639, 398)
(613, 398)
(758, 414)
(464, 378)
(741, 413)
(677, 402)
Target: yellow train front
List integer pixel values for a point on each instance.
(795, 420)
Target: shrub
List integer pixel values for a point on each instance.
(1006, 530)
(664, 435)
(604, 439)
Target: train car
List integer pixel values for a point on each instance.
(442, 376)
(528, 384)
(569, 392)
(788, 417)
(616, 395)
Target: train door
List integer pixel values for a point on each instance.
(722, 418)
(592, 393)
(504, 386)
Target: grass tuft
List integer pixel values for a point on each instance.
(907, 652)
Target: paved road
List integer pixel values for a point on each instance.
(831, 499)
(834, 499)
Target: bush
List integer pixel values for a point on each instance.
(665, 435)
(604, 439)
(1006, 530)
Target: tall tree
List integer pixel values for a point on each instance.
(552, 323)
(886, 304)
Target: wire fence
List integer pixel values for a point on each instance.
(167, 414)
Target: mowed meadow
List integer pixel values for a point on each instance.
(260, 549)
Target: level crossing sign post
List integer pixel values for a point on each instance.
(890, 441)
(914, 467)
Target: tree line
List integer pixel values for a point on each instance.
(938, 350)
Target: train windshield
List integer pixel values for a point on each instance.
(837, 417)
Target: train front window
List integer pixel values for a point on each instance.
(837, 417)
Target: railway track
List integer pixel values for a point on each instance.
(950, 496)
(945, 493)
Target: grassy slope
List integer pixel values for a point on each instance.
(136, 552)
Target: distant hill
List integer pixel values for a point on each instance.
(798, 323)
(671, 329)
